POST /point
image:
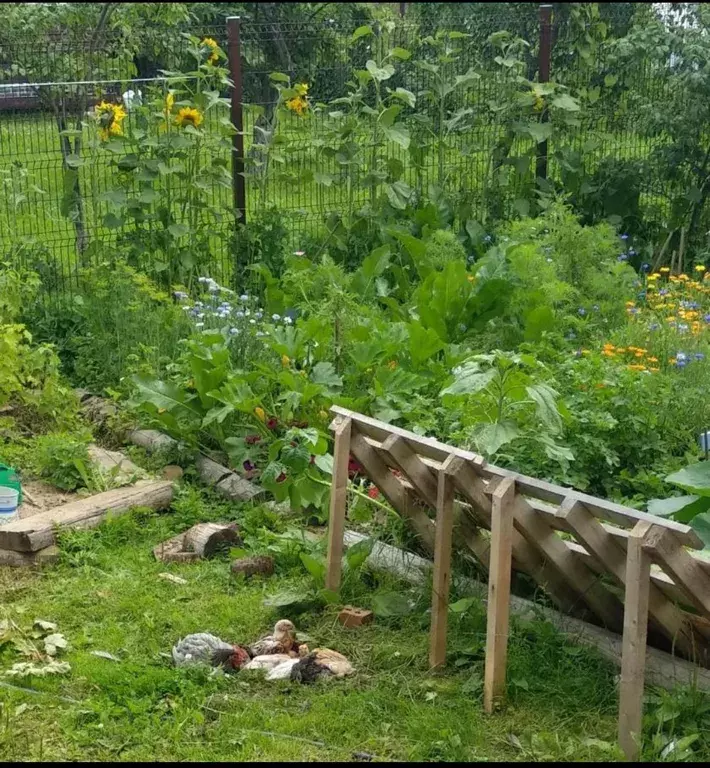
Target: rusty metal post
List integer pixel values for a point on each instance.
(235, 69)
(544, 77)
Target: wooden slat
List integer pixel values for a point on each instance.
(538, 533)
(607, 550)
(633, 655)
(539, 489)
(686, 572)
(442, 569)
(499, 594)
(393, 490)
(419, 475)
(525, 557)
(338, 501)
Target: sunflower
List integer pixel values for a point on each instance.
(189, 116)
(212, 45)
(109, 117)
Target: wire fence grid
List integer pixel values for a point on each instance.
(44, 92)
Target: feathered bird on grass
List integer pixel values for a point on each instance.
(204, 648)
(283, 640)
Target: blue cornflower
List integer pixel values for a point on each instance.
(234, 331)
(596, 307)
(622, 257)
(707, 318)
(244, 297)
(276, 318)
(699, 356)
(654, 327)
(632, 252)
(487, 239)
(645, 267)
(624, 237)
(582, 311)
(240, 313)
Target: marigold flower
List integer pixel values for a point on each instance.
(260, 414)
(189, 116)
(285, 361)
(110, 118)
(297, 104)
(700, 267)
(664, 270)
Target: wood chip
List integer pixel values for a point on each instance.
(174, 579)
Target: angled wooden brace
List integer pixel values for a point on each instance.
(338, 500)
(608, 550)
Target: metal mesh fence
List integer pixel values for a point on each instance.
(55, 211)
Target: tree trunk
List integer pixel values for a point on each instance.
(206, 539)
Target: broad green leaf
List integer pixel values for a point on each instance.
(566, 102)
(389, 115)
(358, 553)
(362, 31)
(164, 395)
(694, 478)
(388, 604)
(682, 512)
(288, 600)
(402, 94)
(315, 567)
(701, 525)
(379, 73)
(324, 373)
(461, 606)
(424, 343)
(491, 437)
(325, 463)
(279, 77)
(539, 320)
(401, 53)
(469, 380)
(539, 132)
(398, 135)
(545, 399)
(372, 267)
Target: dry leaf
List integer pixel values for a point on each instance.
(48, 626)
(174, 579)
(54, 642)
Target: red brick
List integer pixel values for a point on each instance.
(354, 617)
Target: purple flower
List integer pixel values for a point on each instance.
(699, 356)
(624, 237)
(707, 318)
(645, 267)
(622, 257)
(248, 466)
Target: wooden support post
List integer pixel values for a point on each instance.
(338, 499)
(633, 654)
(442, 568)
(499, 593)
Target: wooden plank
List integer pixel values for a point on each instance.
(419, 475)
(37, 532)
(662, 669)
(526, 558)
(633, 655)
(338, 501)
(539, 489)
(580, 578)
(499, 594)
(609, 553)
(393, 489)
(442, 569)
(686, 571)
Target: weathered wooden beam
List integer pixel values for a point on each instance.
(423, 480)
(539, 489)
(526, 558)
(39, 531)
(665, 550)
(580, 578)
(442, 569)
(607, 550)
(633, 656)
(499, 594)
(338, 502)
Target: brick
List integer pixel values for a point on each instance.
(351, 617)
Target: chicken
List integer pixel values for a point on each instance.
(319, 663)
(267, 661)
(203, 648)
(283, 640)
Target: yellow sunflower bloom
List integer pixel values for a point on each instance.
(109, 118)
(664, 270)
(169, 101)
(214, 47)
(189, 116)
(700, 267)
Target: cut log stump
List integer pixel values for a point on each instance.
(207, 539)
(252, 566)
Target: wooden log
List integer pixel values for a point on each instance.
(207, 539)
(499, 594)
(662, 669)
(171, 551)
(11, 559)
(239, 489)
(151, 440)
(338, 503)
(37, 532)
(633, 657)
(442, 568)
(211, 472)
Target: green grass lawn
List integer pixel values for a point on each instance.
(106, 595)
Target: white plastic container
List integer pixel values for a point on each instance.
(8, 504)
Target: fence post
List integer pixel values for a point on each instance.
(235, 69)
(402, 9)
(544, 77)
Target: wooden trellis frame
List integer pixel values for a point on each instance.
(655, 587)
